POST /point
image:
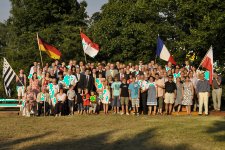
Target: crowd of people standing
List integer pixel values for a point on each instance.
(77, 88)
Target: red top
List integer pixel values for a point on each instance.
(86, 99)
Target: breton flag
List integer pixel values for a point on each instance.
(207, 63)
(163, 52)
(89, 47)
(52, 52)
(8, 76)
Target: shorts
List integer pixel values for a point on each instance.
(20, 90)
(160, 102)
(169, 98)
(135, 102)
(124, 100)
(116, 101)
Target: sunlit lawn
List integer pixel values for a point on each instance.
(113, 132)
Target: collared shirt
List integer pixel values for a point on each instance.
(170, 87)
(202, 86)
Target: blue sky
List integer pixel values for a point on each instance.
(93, 6)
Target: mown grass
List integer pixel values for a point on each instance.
(113, 132)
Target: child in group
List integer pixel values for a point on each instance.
(106, 97)
(152, 96)
(79, 101)
(71, 97)
(93, 102)
(86, 101)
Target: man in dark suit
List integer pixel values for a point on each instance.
(137, 71)
(80, 79)
(89, 81)
(100, 71)
(121, 75)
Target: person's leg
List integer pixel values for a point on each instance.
(214, 97)
(206, 99)
(189, 107)
(137, 105)
(167, 108)
(219, 95)
(144, 102)
(118, 104)
(170, 108)
(39, 109)
(200, 103)
(178, 108)
(154, 113)
(107, 107)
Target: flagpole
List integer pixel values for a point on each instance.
(204, 57)
(40, 51)
(85, 58)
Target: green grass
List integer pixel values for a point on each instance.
(113, 132)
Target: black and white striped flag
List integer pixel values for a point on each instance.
(8, 76)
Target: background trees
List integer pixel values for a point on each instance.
(125, 30)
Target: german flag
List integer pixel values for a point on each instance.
(52, 52)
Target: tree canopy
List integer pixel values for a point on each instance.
(125, 30)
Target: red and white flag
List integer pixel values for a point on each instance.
(207, 63)
(89, 47)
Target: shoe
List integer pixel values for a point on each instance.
(134, 113)
(206, 114)
(137, 114)
(121, 113)
(127, 114)
(200, 114)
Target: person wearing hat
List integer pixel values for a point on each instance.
(170, 94)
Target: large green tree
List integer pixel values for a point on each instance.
(127, 30)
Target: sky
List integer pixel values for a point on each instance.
(93, 6)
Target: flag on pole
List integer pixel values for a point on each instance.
(8, 76)
(163, 52)
(89, 47)
(52, 52)
(207, 63)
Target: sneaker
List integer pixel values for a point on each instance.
(121, 113)
(134, 113)
(137, 114)
(127, 114)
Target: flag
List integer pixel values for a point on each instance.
(52, 52)
(8, 76)
(89, 47)
(207, 63)
(163, 52)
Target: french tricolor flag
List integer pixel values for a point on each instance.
(89, 47)
(163, 52)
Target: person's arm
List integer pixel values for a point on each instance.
(208, 88)
(17, 78)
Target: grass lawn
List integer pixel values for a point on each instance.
(113, 132)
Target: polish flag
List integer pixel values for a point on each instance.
(89, 47)
(207, 63)
(163, 52)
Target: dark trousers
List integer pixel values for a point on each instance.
(144, 102)
(59, 107)
(40, 105)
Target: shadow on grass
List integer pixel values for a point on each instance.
(9, 144)
(216, 129)
(142, 140)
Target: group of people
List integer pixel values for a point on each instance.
(59, 89)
